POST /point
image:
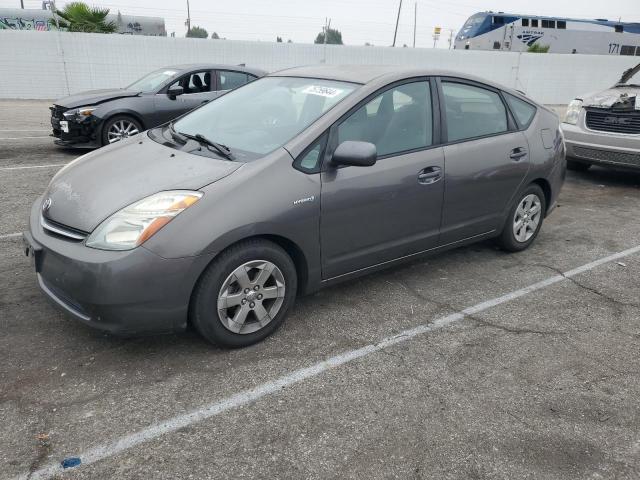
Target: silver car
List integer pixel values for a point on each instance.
(301, 179)
(604, 128)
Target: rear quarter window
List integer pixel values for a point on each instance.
(522, 110)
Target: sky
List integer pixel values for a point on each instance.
(360, 21)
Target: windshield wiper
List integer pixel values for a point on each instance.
(223, 150)
(172, 130)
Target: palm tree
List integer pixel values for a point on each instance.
(79, 17)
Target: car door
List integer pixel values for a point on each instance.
(486, 159)
(372, 215)
(197, 85)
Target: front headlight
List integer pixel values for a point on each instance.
(135, 224)
(79, 114)
(573, 112)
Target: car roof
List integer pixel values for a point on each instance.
(364, 74)
(344, 73)
(218, 66)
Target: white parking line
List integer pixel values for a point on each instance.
(119, 445)
(10, 235)
(26, 167)
(25, 129)
(24, 138)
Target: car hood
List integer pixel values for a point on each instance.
(94, 97)
(96, 185)
(607, 98)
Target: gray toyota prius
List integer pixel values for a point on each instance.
(304, 178)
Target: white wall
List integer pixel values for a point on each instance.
(54, 64)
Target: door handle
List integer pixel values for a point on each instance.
(517, 153)
(429, 175)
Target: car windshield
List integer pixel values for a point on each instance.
(264, 115)
(151, 82)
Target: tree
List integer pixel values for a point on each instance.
(79, 17)
(215, 36)
(537, 48)
(279, 39)
(197, 32)
(289, 41)
(334, 37)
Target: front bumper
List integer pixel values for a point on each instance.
(75, 135)
(601, 147)
(126, 292)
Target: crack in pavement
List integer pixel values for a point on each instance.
(593, 290)
(516, 331)
(475, 318)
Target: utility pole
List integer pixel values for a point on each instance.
(188, 23)
(327, 26)
(450, 38)
(22, 4)
(395, 34)
(415, 21)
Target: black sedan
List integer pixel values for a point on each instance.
(99, 117)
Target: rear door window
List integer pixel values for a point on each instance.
(472, 111)
(228, 80)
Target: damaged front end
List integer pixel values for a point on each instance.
(616, 110)
(604, 128)
(618, 98)
(75, 127)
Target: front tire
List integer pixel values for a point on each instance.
(118, 128)
(524, 220)
(245, 294)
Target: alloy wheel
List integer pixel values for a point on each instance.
(527, 217)
(121, 129)
(251, 296)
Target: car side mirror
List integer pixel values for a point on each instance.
(173, 92)
(356, 154)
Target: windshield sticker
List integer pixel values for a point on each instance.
(322, 91)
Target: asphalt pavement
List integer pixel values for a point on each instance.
(389, 376)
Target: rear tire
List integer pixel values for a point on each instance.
(245, 294)
(524, 220)
(577, 166)
(119, 127)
